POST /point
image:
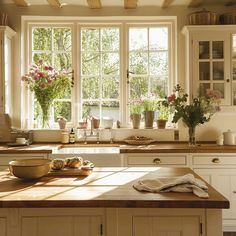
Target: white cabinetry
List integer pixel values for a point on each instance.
(6, 35)
(156, 159)
(220, 172)
(6, 158)
(61, 222)
(211, 60)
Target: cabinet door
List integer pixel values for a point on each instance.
(224, 181)
(161, 226)
(61, 226)
(3, 227)
(211, 64)
(234, 67)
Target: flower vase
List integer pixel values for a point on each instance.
(136, 118)
(191, 136)
(148, 119)
(45, 116)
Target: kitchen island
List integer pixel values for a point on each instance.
(105, 203)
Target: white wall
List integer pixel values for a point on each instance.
(208, 131)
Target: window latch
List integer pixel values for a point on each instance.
(127, 74)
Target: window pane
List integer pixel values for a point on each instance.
(90, 109)
(62, 109)
(110, 88)
(42, 39)
(158, 63)
(47, 58)
(90, 39)
(138, 39)
(138, 62)
(110, 109)
(158, 38)
(62, 39)
(138, 87)
(159, 86)
(110, 39)
(90, 63)
(90, 88)
(110, 63)
(63, 61)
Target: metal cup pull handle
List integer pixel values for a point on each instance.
(157, 161)
(215, 160)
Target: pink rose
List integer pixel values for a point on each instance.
(171, 98)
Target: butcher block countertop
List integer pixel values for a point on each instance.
(105, 187)
(177, 147)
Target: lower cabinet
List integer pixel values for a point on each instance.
(69, 222)
(3, 226)
(220, 172)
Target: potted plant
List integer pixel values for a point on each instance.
(149, 106)
(163, 115)
(135, 112)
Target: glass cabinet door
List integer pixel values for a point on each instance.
(211, 66)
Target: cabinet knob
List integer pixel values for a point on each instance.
(227, 80)
(234, 191)
(215, 160)
(157, 161)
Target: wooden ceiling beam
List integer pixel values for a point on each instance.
(195, 3)
(55, 3)
(21, 3)
(166, 3)
(130, 4)
(94, 4)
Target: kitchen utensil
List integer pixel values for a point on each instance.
(229, 137)
(29, 168)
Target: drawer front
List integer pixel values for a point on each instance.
(214, 160)
(156, 160)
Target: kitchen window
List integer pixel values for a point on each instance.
(113, 63)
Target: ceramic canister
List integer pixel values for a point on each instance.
(229, 137)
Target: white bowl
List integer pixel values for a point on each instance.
(29, 168)
(107, 123)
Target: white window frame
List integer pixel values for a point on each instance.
(75, 23)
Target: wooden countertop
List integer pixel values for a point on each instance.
(105, 187)
(152, 148)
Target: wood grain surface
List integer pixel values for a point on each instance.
(104, 187)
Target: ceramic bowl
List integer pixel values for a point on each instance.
(107, 123)
(29, 168)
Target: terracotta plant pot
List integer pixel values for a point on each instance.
(161, 124)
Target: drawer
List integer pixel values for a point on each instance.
(156, 160)
(214, 160)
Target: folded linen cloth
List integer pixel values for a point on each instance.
(185, 183)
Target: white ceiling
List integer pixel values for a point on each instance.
(119, 3)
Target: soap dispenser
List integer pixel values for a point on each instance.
(72, 136)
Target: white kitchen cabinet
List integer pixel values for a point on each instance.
(6, 158)
(162, 222)
(61, 222)
(219, 170)
(155, 159)
(211, 60)
(6, 49)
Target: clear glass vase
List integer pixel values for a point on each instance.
(191, 136)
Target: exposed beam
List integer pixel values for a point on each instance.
(230, 2)
(21, 3)
(94, 4)
(195, 3)
(130, 4)
(55, 3)
(166, 3)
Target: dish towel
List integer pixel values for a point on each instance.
(185, 183)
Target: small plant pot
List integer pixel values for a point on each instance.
(136, 118)
(148, 119)
(161, 124)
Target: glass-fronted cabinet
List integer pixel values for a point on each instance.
(6, 44)
(211, 60)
